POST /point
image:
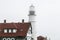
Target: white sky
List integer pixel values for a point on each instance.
(47, 11)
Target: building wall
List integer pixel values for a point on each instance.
(12, 38)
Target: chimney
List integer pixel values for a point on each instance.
(22, 20)
(4, 21)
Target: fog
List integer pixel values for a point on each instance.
(47, 15)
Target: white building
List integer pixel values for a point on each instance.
(32, 30)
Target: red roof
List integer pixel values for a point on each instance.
(41, 38)
(18, 26)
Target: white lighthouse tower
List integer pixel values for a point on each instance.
(32, 20)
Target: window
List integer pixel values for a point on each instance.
(12, 39)
(8, 38)
(10, 31)
(5, 30)
(4, 39)
(14, 30)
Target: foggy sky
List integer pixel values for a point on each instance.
(47, 15)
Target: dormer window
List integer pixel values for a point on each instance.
(10, 30)
(5, 30)
(14, 30)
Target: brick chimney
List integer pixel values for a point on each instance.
(22, 20)
(4, 21)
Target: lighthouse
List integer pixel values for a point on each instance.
(32, 20)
